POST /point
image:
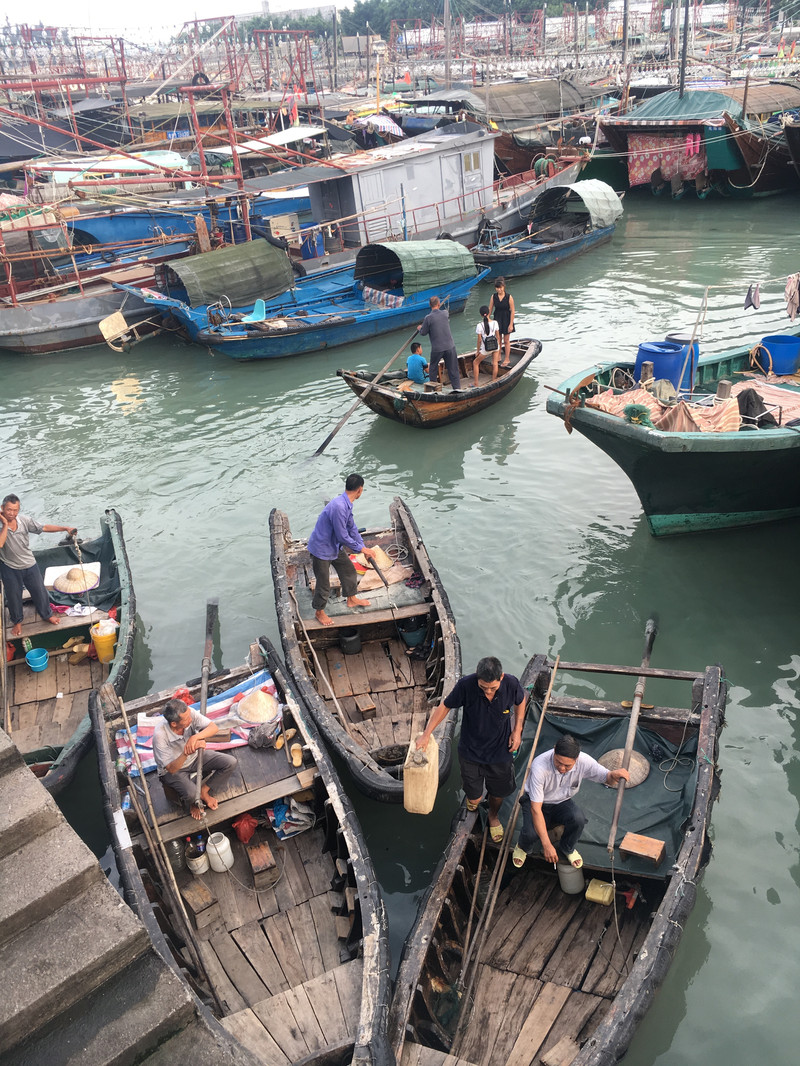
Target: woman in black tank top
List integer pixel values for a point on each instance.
(501, 308)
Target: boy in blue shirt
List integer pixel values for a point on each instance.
(416, 364)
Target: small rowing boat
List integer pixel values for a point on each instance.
(371, 678)
(426, 406)
(283, 936)
(45, 710)
(503, 966)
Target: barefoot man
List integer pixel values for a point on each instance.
(176, 741)
(334, 536)
(18, 567)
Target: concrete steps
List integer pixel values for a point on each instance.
(82, 982)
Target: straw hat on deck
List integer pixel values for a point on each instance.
(258, 706)
(76, 580)
(639, 766)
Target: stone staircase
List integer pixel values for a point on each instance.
(82, 982)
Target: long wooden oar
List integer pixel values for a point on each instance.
(649, 636)
(359, 399)
(212, 613)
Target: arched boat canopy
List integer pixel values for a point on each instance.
(243, 273)
(602, 203)
(414, 265)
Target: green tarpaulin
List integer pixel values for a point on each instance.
(416, 265)
(244, 273)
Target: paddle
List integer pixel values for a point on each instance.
(212, 612)
(359, 399)
(649, 636)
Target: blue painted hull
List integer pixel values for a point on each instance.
(178, 220)
(527, 257)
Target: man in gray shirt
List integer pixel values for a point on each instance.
(18, 568)
(436, 325)
(548, 799)
(176, 742)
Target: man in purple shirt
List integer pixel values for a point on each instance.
(335, 535)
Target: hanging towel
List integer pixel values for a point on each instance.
(792, 295)
(753, 298)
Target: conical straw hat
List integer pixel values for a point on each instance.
(257, 706)
(639, 766)
(76, 580)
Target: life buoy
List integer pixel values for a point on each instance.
(200, 79)
(445, 236)
(107, 257)
(298, 268)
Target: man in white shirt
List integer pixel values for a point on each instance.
(176, 741)
(548, 800)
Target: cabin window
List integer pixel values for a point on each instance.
(472, 161)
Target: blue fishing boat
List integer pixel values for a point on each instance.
(564, 221)
(245, 303)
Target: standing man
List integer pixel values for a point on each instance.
(436, 325)
(176, 742)
(552, 783)
(18, 567)
(488, 738)
(334, 536)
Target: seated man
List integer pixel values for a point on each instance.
(547, 800)
(417, 365)
(176, 741)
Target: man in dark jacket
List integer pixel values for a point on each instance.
(436, 325)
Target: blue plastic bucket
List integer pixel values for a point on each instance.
(785, 352)
(685, 339)
(36, 659)
(667, 358)
(313, 245)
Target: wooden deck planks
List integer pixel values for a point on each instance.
(576, 949)
(494, 992)
(571, 1021)
(337, 672)
(242, 975)
(278, 931)
(379, 668)
(223, 986)
(305, 934)
(357, 675)
(324, 1001)
(246, 1027)
(257, 948)
(348, 980)
(546, 1008)
(298, 1003)
(322, 915)
(318, 865)
(281, 1025)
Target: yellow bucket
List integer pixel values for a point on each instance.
(600, 892)
(103, 645)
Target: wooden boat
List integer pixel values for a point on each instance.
(552, 977)
(398, 398)
(693, 481)
(289, 949)
(389, 288)
(369, 703)
(564, 223)
(45, 713)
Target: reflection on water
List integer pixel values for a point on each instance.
(538, 537)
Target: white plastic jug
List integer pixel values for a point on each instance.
(571, 880)
(219, 852)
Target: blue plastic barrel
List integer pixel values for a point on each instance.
(785, 351)
(667, 358)
(313, 245)
(685, 339)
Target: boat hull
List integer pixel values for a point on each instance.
(696, 482)
(511, 264)
(427, 410)
(38, 328)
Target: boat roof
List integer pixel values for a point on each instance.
(700, 105)
(516, 101)
(274, 140)
(602, 202)
(422, 264)
(456, 135)
(243, 273)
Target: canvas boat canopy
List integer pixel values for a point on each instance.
(243, 273)
(414, 265)
(599, 199)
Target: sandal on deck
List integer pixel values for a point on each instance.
(519, 857)
(574, 859)
(472, 805)
(496, 833)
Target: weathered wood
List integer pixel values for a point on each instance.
(305, 1018)
(279, 1021)
(357, 674)
(630, 671)
(325, 927)
(344, 923)
(337, 672)
(401, 663)
(366, 705)
(324, 1001)
(576, 949)
(633, 845)
(246, 1027)
(348, 980)
(224, 988)
(609, 709)
(301, 921)
(202, 905)
(257, 949)
(318, 865)
(499, 1006)
(279, 933)
(262, 864)
(379, 668)
(546, 1009)
(365, 618)
(247, 982)
(561, 1054)
(572, 1020)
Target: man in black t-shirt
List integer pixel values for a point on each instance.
(488, 739)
